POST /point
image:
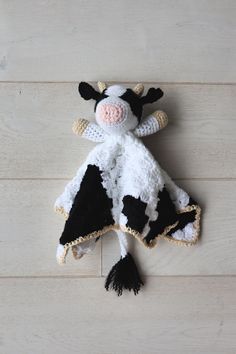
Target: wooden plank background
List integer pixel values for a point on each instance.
(187, 48)
(183, 40)
(171, 315)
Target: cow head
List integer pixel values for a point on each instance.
(118, 109)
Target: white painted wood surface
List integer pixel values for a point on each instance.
(172, 315)
(37, 139)
(214, 254)
(123, 40)
(30, 232)
(187, 48)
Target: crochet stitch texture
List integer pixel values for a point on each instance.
(121, 186)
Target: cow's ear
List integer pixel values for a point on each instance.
(152, 95)
(88, 92)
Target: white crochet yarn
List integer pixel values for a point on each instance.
(94, 133)
(77, 250)
(148, 126)
(128, 169)
(60, 254)
(123, 240)
(179, 197)
(83, 248)
(115, 90)
(129, 120)
(114, 116)
(187, 234)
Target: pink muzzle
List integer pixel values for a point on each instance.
(110, 113)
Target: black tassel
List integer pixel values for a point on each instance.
(124, 275)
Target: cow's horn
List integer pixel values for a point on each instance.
(138, 89)
(101, 86)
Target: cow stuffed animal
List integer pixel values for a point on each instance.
(121, 186)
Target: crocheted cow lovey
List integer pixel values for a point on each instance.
(121, 187)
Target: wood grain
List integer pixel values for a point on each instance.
(188, 302)
(168, 40)
(171, 315)
(37, 140)
(30, 232)
(213, 255)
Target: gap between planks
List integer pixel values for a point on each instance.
(104, 276)
(70, 178)
(127, 82)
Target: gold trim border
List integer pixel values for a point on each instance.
(134, 233)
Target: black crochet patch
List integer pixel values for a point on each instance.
(100, 98)
(185, 218)
(134, 209)
(134, 102)
(91, 210)
(167, 215)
